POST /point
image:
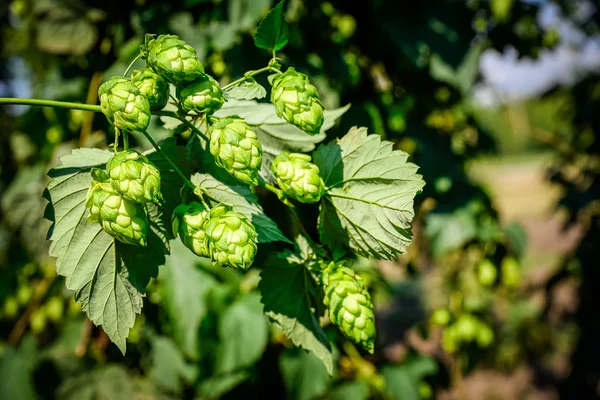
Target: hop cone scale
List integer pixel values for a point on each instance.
(124, 220)
(172, 58)
(349, 304)
(134, 177)
(188, 223)
(297, 101)
(236, 148)
(231, 238)
(123, 104)
(298, 177)
(153, 86)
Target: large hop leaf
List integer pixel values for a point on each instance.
(188, 223)
(298, 177)
(123, 104)
(296, 100)
(172, 58)
(349, 304)
(153, 86)
(134, 177)
(124, 220)
(203, 96)
(231, 238)
(236, 149)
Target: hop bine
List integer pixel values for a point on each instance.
(123, 104)
(296, 100)
(236, 148)
(231, 238)
(349, 304)
(298, 177)
(172, 58)
(134, 177)
(153, 86)
(124, 220)
(188, 223)
(203, 96)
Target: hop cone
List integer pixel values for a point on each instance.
(231, 238)
(188, 222)
(296, 100)
(134, 177)
(236, 149)
(349, 304)
(123, 104)
(172, 58)
(203, 96)
(153, 86)
(298, 177)
(125, 220)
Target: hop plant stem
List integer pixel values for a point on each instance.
(131, 64)
(157, 147)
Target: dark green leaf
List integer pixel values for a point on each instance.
(449, 231)
(304, 375)
(169, 369)
(184, 290)
(368, 205)
(285, 287)
(16, 370)
(272, 32)
(243, 335)
(354, 390)
(402, 381)
(244, 201)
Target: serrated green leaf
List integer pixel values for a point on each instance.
(247, 90)
(304, 375)
(109, 277)
(285, 288)
(184, 290)
(368, 205)
(169, 369)
(274, 133)
(272, 32)
(240, 350)
(242, 200)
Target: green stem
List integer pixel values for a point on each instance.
(125, 140)
(50, 103)
(250, 74)
(116, 142)
(181, 174)
(182, 118)
(131, 64)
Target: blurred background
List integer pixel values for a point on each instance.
(497, 101)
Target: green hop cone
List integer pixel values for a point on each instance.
(236, 148)
(134, 177)
(231, 238)
(123, 104)
(124, 220)
(188, 223)
(349, 304)
(296, 100)
(172, 58)
(298, 177)
(153, 86)
(203, 96)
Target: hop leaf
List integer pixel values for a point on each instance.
(298, 177)
(236, 149)
(123, 104)
(134, 177)
(172, 58)
(203, 96)
(124, 220)
(349, 304)
(296, 100)
(153, 86)
(188, 223)
(231, 238)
